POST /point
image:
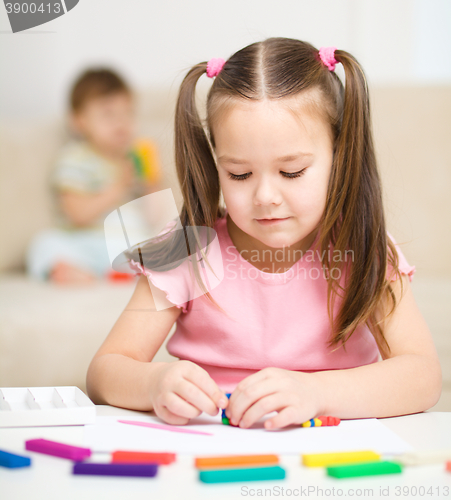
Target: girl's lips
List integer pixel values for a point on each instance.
(270, 222)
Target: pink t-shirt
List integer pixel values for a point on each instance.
(273, 319)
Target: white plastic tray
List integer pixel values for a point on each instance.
(36, 406)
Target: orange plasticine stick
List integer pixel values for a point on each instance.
(204, 462)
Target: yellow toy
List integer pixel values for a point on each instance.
(146, 160)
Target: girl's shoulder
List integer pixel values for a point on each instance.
(174, 285)
(403, 265)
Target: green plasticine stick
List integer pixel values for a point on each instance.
(364, 469)
(244, 474)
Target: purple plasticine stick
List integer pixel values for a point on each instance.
(103, 469)
(57, 449)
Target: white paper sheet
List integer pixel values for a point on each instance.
(107, 435)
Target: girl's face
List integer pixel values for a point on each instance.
(273, 164)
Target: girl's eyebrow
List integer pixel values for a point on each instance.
(287, 158)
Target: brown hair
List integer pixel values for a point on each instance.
(353, 219)
(96, 82)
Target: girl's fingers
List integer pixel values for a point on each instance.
(267, 404)
(195, 396)
(179, 407)
(285, 417)
(209, 397)
(170, 417)
(243, 400)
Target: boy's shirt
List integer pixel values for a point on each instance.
(82, 170)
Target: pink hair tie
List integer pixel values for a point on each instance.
(214, 66)
(327, 56)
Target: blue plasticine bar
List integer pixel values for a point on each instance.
(224, 418)
(13, 461)
(243, 474)
(115, 469)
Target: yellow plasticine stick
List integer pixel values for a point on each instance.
(346, 457)
(306, 424)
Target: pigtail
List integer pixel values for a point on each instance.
(354, 217)
(199, 183)
(196, 168)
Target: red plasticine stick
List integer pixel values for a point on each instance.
(142, 457)
(329, 420)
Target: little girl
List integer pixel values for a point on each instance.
(314, 314)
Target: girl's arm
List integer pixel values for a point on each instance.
(407, 380)
(121, 371)
(123, 374)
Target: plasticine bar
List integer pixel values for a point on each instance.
(325, 420)
(13, 461)
(448, 466)
(57, 449)
(204, 462)
(224, 418)
(142, 457)
(103, 469)
(244, 474)
(423, 457)
(364, 469)
(325, 459)
(321, 422)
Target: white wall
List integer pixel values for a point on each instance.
(402, 42)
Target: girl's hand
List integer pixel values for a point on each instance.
(296, 396)
(182, 390)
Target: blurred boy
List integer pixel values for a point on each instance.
(94, 175)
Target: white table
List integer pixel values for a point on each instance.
(51, 478)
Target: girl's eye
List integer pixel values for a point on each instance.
(239, 177)
(293, 175)
(288, 175)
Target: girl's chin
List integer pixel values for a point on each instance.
(277, 241)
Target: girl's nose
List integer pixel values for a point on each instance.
(267, 192)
